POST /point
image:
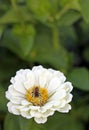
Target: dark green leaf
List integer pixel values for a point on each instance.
(84, 34)
(63, 122)
(1, 30)
(19, 40)
(9, 41)
(84, 111)
(86, 54)
(68, 36)
(69, 18)
(80, 78)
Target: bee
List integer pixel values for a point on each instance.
(36, 92)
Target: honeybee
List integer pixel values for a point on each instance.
(36, 92)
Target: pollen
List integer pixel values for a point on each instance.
(37, 96)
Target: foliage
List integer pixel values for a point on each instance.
(54, 33)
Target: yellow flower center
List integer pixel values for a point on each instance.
(37, 95)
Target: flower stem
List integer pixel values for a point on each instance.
(13, 2)
(62, 12)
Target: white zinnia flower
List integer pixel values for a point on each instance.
(38, 93)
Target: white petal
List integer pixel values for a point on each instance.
(9, 105)
(40, 120)
(35, 113)
(58, 95)
(54, 85)
(14, 92)
(25, 102)
(26, 114)
(19, 87)
(24, 108)
(69, 98)
(12, 80)
(48, 113)
(37, 71)
(35, 68)
(30, 82)
(44, 78)
(65, 109)
(21, 76)
(58, 74)
(62, 103)
(21, 71)
(45, 107)
(11, 95)
(57, 106)
(13, 108)
(34, 107)
(16, 100)
(8, 95)
(67, 86)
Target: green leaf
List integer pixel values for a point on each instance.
(80, 78)
(25, 36)
(84, 5)
(68, 36)
(9, 41)
(44, 53)
(3, 100)
(16, 17)
(9, 17)
(69, 18)
(41, 9)
(74, 4)
(64, 2)
(13, 122)
(20, 40)
(84, 111)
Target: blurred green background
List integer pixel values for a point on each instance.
(55, 34)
